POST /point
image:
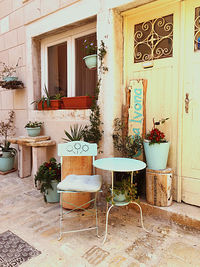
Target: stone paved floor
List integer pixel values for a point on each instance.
(23, 211)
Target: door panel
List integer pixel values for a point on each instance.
(191, 120)
(162, 85)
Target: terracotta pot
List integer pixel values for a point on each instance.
(54, 104)
(78, 102)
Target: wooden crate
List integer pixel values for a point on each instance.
(159, 187)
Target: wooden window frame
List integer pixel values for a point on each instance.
(70, 38)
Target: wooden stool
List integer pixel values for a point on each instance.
(159, 187)
(39, 145)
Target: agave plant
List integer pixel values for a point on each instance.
(75, 134)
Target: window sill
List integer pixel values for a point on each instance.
(75, 115)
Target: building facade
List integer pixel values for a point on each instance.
(156, 40)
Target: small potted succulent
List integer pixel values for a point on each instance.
(156, 147)
(91, 54)
(48, 176)
(33, 128)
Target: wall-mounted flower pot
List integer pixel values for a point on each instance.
(55, 104)
(91, 61)
(78, 102)
(10, 79)
(156, 155)
(33, 131)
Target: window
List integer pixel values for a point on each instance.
(153, 39)
(197, 29)
(63, 68)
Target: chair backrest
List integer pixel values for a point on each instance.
(77, 148)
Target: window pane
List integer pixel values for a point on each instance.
(85, 79)
(197, 29)
(153, 39)
(57, 69)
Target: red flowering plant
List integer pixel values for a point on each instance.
(46, 173)
(155, 135)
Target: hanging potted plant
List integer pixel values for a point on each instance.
(156, 147)
(91, 54)
(33, 128)
(48, 176)
(8, 77)
(8, 153)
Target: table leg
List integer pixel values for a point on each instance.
(24, 161)
(38, 158)
(141, 217)
(107, 214)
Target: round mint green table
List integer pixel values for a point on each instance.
(120, 165)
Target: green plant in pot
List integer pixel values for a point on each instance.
(156, 147)
(90, 49)
(48, 176)
(47, 102)
(8, 153)
(127, 146)
(123, 190)
(33, 128)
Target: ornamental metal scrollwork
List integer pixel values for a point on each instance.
(153, 39)
(197, 29)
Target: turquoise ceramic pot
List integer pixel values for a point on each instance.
(91, 61)
(52, 195)
(156, 155)
(33, 131)
(10, 79)
(6, 164)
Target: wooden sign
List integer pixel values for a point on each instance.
(137, 109)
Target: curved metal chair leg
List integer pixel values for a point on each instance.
(107, 214)
(141, 217)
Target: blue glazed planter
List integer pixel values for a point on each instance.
(6, 164)
(33, 131)
(91, 61)
(156, 155)
(51, 195)
(10, 79)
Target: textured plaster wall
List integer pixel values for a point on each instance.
(23, 23)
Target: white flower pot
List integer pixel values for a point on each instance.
(91, 61)
(156, 155)
(33, 131)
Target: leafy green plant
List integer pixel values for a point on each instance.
(93, 132)
(6, 129)
(75, 134)
(127, 145)
(46, 173)
(33, 124)
(57, 96)
(46, 98)
(123, 186)
(89, 47)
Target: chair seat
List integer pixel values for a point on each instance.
(81, 183)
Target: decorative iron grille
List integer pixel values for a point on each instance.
(197, 29)
(153, 39)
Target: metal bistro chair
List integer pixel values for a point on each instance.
(75, 183)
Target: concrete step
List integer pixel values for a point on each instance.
(179, 213)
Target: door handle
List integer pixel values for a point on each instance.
(187, 101)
